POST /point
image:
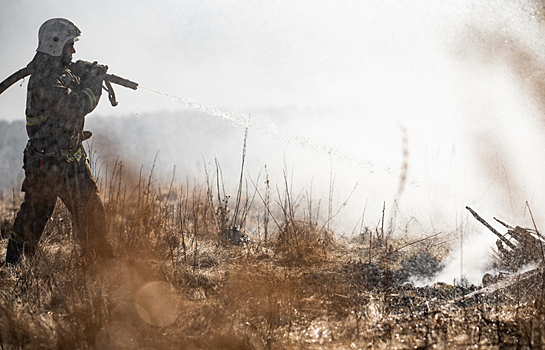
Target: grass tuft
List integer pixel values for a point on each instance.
(177, 284)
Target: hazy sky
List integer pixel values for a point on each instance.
(352, 74)
(240, 54)
(235, 54)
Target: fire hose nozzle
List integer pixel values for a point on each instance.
(121, 81)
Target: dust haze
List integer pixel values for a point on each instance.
(450, 93)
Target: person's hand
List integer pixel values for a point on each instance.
(97, 71)
(96, 74)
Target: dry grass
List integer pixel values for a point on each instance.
(176, 284)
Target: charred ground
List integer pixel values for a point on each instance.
(179, 282)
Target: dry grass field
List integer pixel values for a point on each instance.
(183, 278)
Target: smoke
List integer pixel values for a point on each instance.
(469, 260)
(428, 106)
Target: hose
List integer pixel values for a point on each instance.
(9, 81)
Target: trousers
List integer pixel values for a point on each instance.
(49, 178)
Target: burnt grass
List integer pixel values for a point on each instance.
(178, 283)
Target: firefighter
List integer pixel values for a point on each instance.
(55, 164)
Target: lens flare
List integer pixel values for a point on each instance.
(156, 304)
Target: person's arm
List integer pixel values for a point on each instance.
(71, 100)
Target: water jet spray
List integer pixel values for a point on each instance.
(270, 129)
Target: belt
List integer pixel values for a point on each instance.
(69, 155)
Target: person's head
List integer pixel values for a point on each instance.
(56, 38)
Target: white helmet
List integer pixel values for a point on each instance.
(54, 33)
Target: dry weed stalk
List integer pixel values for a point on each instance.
(172, 286)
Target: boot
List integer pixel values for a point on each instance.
(13, 254)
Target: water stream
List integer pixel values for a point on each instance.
(270, 130)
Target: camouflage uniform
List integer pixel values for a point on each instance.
(55, 163)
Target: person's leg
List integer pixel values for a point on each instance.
(31, 219)
(81, 198)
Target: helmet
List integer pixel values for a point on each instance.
(54, 33)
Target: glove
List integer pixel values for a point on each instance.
(88, 71)
(97, 70)
(95, 76)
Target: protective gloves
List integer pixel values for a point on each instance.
(95, 77)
